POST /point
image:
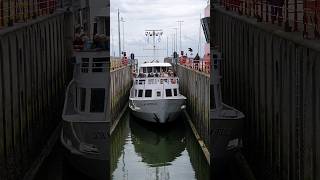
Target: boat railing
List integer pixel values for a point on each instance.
(117, 62)
(202, 65)
(12, 12)
(156, 81)
(91, 68)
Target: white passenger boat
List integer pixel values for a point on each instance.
(155, 95)
(85, 124)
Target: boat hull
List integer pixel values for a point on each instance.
(157, 111)
(94, 164)
(225, 127)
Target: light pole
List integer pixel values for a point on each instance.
(180, 23)
(119, 33)
(123, 21)
(176, 39)
(167, 46)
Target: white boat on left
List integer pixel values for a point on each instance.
(85, 126)
(84, 134)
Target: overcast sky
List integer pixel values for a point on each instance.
(140, 15)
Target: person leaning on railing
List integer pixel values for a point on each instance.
(99, 41)
(78, 43)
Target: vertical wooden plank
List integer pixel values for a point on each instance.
(317, 116)
(293, 102)
(33, 129)
(2, 120)
(257, 87)
(262, 110)
(48, 70)
(277, 76)
(285, 115)
(15, 103)
(308, 116)
(8, 107)
(268, 101)
(23, 112)
(28, 87)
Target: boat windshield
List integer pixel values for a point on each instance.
(155, 71)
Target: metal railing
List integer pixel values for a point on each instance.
(88, 68)
(20, 11)
(198, 65)
(156, 80)
(117, 63)
(293, 15)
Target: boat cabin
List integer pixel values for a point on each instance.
(156, 70)
(155, 88)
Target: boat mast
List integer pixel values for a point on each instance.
(154, 33)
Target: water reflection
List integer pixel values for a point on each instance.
(145, 151)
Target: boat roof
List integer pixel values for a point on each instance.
(155, 65)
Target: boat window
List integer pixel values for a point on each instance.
(84, 65)
(149, 69)
(157, 69)
(142, 81)
(148, 93)
(99, 64)
(158, 93)
(168, 92)
(144, 70)
(97, 100)
(135, 93)
(175, 92)
(76, 98)
(82, 99)
(212, 97)
(140, 92)
(150, 81)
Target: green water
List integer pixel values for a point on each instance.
(143, 151)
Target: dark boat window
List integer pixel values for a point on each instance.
(144, 70)
(148, 93)
(158, 93)
(99, 64)
(175, 92)
(212, 97)
(97, 100)
(141, 81)
(76, 98)
(84, 65)
(82, 99)
(157, 69)
(140, 92)
(149, 69)
(168, 92)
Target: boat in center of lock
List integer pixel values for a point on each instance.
(155, 95)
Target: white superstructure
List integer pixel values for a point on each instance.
(155, 95)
